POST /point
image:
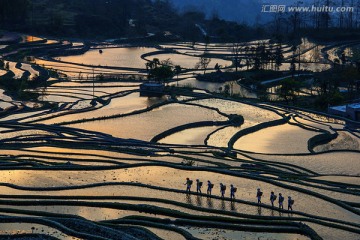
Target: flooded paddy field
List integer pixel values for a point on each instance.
(162, 119)
(277, 140)
(189, 61)
(75, 70)
(120, 57)
(97, 161)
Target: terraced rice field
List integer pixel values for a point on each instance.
(103, 163)
(120, 57)
(105, 173)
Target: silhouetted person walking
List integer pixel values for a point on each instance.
(290, 203)
(259, 195)
(232, 191)
(281, 201)
(272, 198)
(209, 188)
(188, 184)
(222, 189)
(198, 186)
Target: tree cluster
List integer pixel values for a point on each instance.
(331, 20)
(115, 19)
(262, 56)
(161, 71)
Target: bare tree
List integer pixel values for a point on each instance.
(203, 63)
(350, 16)
(341, 18)
(236, 50)
(177, 71)
(167, 62)
(296, 19)
(357, 17)
(279, 58)
(315, 16)
(325, 16)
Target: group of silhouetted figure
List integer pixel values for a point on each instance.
(259, 193)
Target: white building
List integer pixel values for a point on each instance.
(351, 111)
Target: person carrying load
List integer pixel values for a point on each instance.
(188, 184)
(222, 189)
(281, 201)
(198, 186)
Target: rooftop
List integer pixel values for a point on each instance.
(339, 108)
(354, 105)
(342, 108)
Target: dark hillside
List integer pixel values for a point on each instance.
(110, 19)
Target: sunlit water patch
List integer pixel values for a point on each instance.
(193, 136)
(165, 177)
(249, 112)
(221, 234)
(347, 163)
(277, 139)
(189, 61)
(120, 57)
(75, 70)
(27, 228)
(117, 106)
(161, 119)
(344, 141)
